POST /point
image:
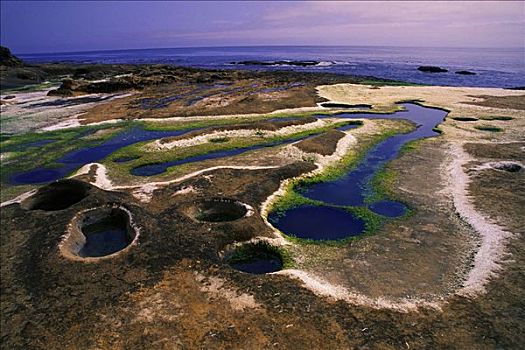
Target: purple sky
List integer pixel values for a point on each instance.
(47, 26)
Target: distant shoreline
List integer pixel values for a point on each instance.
(25, 54)
(492, 67)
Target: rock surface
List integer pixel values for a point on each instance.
(8, 59)
(465, 72)
(432, 69)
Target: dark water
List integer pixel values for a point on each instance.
(354, 187)
(318, 223)
(104, 238)
(493, 67)
(76, 159)
(348, 127)
(259, 265)
(159, 168)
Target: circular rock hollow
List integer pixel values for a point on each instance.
(57, 195)
(511, 167)
(221, 210)
(255, 258)
(99, 232)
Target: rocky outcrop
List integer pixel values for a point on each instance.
(72, 87)
(137, 79)
(432, 69)
(9, 60)
(465, 72)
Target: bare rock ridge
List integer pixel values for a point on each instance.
(8, 59)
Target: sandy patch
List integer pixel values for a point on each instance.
(492, 250)
(26, 113)
(451, 98)
(201, 139)
(216, 287)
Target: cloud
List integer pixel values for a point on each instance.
(392, 11)
(464, 24)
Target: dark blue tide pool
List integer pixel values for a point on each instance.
(318, 223)
(76, 159)
(354, 188)
(104, 238)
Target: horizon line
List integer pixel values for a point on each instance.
(261, 46)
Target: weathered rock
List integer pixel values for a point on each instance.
(465, 72)
(61, 92)
(432, 69)
(71, 87)
(9, 60)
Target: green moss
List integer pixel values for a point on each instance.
(291, 199)
(219, 139)
(67, 140)
(145, 156)
(209, 122)
(383, 185)
(411, 146)
(354, 156)
(490, 128)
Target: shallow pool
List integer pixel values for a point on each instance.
(76, 159)
(354, 189)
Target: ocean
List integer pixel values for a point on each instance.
(493, 67)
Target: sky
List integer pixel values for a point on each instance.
(66, 26)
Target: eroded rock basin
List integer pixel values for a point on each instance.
(57, 196)
(256, 258)
(99, 232)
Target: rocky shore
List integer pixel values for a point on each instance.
(172, 284)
